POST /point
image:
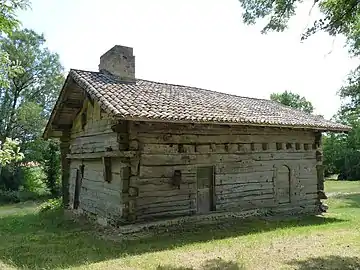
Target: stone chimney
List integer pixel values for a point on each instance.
(120, 62)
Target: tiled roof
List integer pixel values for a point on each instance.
(147, 100)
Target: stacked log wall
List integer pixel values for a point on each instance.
(89, 142)
(245, 161)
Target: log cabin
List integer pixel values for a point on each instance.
(135, 151)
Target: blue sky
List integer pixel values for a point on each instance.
(201, 43)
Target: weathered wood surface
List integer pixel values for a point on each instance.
(97, 196)
(98, 143)
(255, 177)
(176, 128)
(152, 138)
(183, 159)
(98, 134)
(244, 159)
(100, 154)
(65, 167)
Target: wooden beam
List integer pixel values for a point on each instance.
(102, 154)
(71, 104)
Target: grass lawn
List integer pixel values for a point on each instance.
(334, 186)
(29, 240)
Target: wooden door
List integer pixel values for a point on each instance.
(283, 184)
(205, 189)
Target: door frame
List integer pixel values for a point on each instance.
(291, 183)
(212, 196)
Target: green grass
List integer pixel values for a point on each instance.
(33, 240)
(333, 186)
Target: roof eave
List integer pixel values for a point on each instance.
(45, 134)
(314, 128)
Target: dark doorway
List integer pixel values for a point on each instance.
(283, 184)
(205, 189)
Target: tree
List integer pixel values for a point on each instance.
(338, 17)
(8, 23)
(10, 152)
(27, 99)
(293, 100)
(52, 167)
(342, 151)
(8, 19)
(26, 103)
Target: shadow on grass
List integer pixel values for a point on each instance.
(37, 241)
(215, 264)
(350, 200)
(328, 262)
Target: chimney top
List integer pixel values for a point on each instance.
(120, 62)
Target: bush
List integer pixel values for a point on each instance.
(50, 205)
(52, 168)
(34, 180)
(11, 177)
(9, 196)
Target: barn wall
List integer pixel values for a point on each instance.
(246, 161)
(96, 195)
(96, 133)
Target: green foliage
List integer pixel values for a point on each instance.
(293, 100)
(342, 153)
(278, 11)
(10, 152)
(9, 196)
(350, 94)
(8, 23)
(12, 177)
(26, 100)
(34, 180)
(50, 240)
(8, 18)
(17, 196)
(25, 105)
(53, 167)
(337, 17)
(51, 205)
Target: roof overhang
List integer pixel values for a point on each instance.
(67, 106)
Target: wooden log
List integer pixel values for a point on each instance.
(205, 138)
(245, 205)
(167, 204)
(183, 128)
(151, 200)
(243, 187)
(184, 159)
(249, 196)
(244, 167)
(165, 171)
(161, 209)
(162, 187)
(98, 155)
(99, 191)
(166, 214)
(170, 193)
(98, 185)
(65, 166)
(98, 143)
(255, 177)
